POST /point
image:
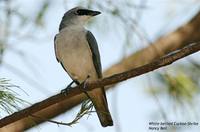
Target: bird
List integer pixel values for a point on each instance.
(77, 51)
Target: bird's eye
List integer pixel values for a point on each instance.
(81, 12)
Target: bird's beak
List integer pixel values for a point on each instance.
(94, 13)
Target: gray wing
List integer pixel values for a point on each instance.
(95, 53)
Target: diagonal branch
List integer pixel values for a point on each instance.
(184, 35)
(163, 61)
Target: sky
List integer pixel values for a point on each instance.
(131, 107)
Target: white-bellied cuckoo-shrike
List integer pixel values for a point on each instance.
(77, 51)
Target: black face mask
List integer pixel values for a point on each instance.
(82, 12)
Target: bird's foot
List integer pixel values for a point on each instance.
(66, 90)
(83, 89)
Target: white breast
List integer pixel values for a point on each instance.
(74, 53)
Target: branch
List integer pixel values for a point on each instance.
(166, 60)
(184, 35)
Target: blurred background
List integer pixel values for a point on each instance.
(126, 29)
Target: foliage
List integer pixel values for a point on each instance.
(9, 100)
(86, 109)
(180, 86)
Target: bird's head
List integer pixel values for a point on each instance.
(77, 16)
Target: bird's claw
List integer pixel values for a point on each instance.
(84, 83)
(83, 89)
(66, 90)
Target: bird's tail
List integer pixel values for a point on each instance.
(99, 101)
